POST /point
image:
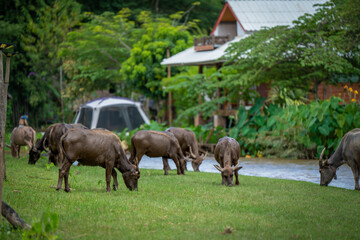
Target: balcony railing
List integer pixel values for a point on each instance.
(209, 42)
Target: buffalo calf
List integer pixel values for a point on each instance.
(227, 153)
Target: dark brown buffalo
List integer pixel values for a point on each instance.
(22, 136)
(189, 145)
(96, 148)
(227, 153)
(51, 141)
(347, 152)
(157, 144)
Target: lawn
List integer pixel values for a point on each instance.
(194, 206)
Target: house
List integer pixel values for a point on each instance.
(237, 20)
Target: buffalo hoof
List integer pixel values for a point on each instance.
(67, 190)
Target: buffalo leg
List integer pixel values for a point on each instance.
(52, 158)
(179, 167)
(355, 170)
(138, 158)
(236, 178)
(115, 182)
(108, 174)
(67, 188)
(166, 165)
(63, 170)
(18, 148)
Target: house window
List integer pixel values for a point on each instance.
(135, 117)
(227, 29)
(85, 117)
(113, 119)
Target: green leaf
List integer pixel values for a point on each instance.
(340, 119)
(324, 130)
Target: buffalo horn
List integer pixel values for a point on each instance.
(218, 168)
(322, 154)
(188, 159)
(192, 154)
(236, 166)
(203, 156)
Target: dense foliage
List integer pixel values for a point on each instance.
(297, 131)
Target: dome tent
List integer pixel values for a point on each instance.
(112, 113)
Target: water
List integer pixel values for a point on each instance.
(300, 170)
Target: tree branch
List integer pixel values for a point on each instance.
(13, 218)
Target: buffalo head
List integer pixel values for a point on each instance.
(196, 160)
(227, 174)
(327, 172)
(131, 179)
(34, 153)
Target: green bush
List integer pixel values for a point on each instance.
(298, 131)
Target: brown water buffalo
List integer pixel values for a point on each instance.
(189, 145)
(22, 136)
(51, 141)
(227, 153)
(347, 152)
(96, 148)
(157, 144)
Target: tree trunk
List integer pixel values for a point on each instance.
(13, 218)
(6, 210)
(2, 123)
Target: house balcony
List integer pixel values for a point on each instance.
(207, 43)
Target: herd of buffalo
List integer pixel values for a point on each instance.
(67, 143)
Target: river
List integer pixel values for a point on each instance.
(300, 170)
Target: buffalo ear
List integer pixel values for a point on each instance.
(218, 168)
(237, 168)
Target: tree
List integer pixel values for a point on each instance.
(206, 14)
(142, 70)
(304, 55)
(93, 55)
(37, 28)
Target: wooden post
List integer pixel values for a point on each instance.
(198, 116)
(3, 99)
(169, 94)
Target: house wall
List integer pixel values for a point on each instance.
(227, 29)
(327, 91)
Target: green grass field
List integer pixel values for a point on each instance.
(194, 206)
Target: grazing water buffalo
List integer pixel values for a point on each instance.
(227, 153)
(348, 152)
(157, 144)
(51, 140)
(96, 148)
(22, 136)
(189, 145)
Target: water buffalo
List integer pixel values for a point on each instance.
(189, 145)
(157, 144)
(227, 153)
(96, 148)
(51, 141)
(22, 136)
(347, 152)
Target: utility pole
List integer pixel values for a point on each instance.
(169, 94)
(61, 95)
